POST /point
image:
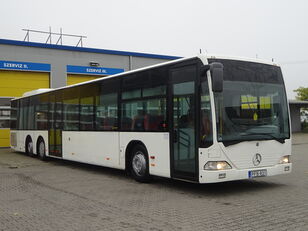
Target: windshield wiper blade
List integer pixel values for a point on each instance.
(231, 142)
(280, 140)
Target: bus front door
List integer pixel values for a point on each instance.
(55, 126)
(183, 135)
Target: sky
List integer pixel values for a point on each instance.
(263, 29)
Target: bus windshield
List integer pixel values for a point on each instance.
(253, 103)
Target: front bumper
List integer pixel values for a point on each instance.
(213, 176)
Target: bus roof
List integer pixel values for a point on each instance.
(238, 58)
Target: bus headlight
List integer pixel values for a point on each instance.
(284, 160)
(217, 165)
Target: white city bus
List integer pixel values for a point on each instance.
(200, 119)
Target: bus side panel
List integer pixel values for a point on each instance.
(13, 139)
(21, 139)
(99, 148)
(157, 145)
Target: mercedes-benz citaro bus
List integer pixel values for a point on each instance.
(201, 119)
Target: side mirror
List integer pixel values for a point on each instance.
(217, 73)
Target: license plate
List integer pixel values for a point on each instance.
(257, 173)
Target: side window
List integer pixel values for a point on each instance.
(71, 109)
(24, 114)
(14, 113)
(106, 104)
(206, 135)
(41, 112)
(87, 96)
(31, 117)
(145, 111)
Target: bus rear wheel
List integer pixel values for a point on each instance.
(139, 164)
(29, 146)
(41, 150)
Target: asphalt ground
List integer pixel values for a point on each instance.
(63, 195)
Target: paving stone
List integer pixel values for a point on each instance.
(62, 195)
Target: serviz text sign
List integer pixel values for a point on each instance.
(24, 66)
(92, 70)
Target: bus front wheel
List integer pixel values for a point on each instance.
(139, 164)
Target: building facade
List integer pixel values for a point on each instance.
(26, 66)
(295, 108)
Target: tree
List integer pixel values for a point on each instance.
(302, 93)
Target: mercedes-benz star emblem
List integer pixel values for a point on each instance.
(256, 160)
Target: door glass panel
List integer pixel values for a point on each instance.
(184, 127)
(58, 125)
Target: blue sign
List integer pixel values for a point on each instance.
(92, 70)
(24, 66)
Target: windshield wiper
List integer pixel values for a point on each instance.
(231, 142)
(280, 140)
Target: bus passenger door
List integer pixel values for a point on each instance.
(183, 124)
(55, 125)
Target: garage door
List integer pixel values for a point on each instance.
(4, 137)
(15, 83)
(73, 79)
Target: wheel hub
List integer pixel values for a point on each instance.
(139, 164)
(30, 147)
(41, 149)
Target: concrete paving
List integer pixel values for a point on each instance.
(62, 195)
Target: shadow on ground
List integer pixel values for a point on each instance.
(218, 189)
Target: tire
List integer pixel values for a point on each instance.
(41, 150)
(29, 147)
(139, 164)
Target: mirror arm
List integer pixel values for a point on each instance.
(204, 69)
(217, 76)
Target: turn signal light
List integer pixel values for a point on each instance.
(285, 160)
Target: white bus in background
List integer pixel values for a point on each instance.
(201, 119)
